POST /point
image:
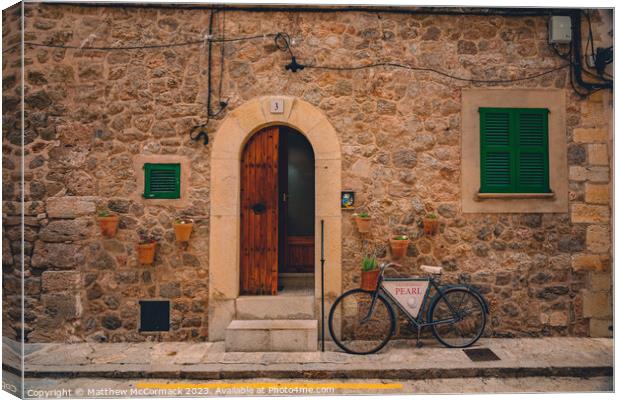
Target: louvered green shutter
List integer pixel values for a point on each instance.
(514, 150)
(532, 151)
(496, 151)
(162, 181)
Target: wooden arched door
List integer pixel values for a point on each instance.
(260, 213)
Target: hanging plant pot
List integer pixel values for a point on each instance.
(363, 224)
(182, 230)
(108, 225)
(146, 253)
(369, 279)
(398, 246)
(431, 226)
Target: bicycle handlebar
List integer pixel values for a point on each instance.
(387, 265)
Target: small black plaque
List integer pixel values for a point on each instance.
(154, 315)
(482, 354)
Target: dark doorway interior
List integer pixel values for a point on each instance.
(296, 175)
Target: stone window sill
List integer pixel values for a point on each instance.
(539, 196)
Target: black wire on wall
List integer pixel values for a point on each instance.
(283, 43)
(407, 10)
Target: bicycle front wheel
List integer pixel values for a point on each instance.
(361, 330)
(461, 315)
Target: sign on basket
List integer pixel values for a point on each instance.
(408, 293)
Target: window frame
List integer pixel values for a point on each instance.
(506, 203)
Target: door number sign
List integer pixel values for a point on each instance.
(277, 106)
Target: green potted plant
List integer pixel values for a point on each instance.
(398, 246)
(146, 249)
(431, 224)
(183, 229)
(108, 223)
(370, 273)
(362, 220)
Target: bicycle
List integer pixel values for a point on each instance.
(457, 314)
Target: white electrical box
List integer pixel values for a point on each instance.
(559, 29)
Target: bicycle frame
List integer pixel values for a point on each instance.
(419, 320)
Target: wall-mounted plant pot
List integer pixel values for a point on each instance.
(363, 224)
(398, 248)
(108, 225)
(369, 279)
(431, 226)
(182, 232)
(146, 253)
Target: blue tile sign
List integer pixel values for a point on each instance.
(347, 199)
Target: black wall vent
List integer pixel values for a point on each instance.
(154, 315)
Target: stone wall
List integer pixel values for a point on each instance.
(11, 175)
(90, 112)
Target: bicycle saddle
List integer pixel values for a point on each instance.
(431, 269)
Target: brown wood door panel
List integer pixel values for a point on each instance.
(300, 254)
(259, 213)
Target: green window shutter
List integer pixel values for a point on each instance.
(514, 156)
(496, 151)
(162, 181)
(533, 151)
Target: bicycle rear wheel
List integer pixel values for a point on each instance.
(361, 333)
(465, 318)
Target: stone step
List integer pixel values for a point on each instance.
(274, 307)
(290, 335)
(297, 279)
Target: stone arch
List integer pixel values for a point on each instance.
(228, 144)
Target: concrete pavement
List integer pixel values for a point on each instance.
(400, 360)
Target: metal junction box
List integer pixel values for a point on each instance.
(559, 29)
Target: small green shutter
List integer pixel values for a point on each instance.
(514, 150)
(162, 181)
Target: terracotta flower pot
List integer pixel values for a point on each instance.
(398, 248)
(183, 231)
(431, 226)
(108, 225)
(146, 253)
(363, 224)
(369, 279)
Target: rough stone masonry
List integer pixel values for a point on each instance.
(87, 113)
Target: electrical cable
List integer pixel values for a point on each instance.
(590, 41)
(576, 49)
(454, 11)
(568, 57)
(222, 48)
(601, 58)
(143, 47)
(436, 71)
(282, 42)
(209, 58)
(202, 133)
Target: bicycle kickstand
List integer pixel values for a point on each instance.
(419, 344)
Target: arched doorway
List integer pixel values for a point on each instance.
(277, 213)
(229, 142)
